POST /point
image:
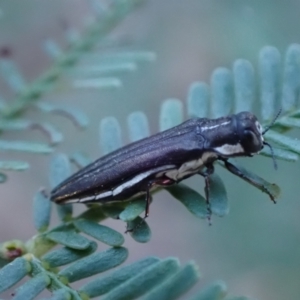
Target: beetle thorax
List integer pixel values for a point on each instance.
(236, 135)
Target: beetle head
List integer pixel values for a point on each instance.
(250, 132)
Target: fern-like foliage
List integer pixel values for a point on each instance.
(151, 277)
(57, 257)
(81, 64)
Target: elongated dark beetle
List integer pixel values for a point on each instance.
(164, 159)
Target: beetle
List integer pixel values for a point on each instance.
(166, 158)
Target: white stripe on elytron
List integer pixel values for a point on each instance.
(89, 198)
(139, 178)
(214, 126)
(75, 200)
(103, 195)
(230, 149)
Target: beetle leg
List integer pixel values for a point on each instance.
(148, 199)
(209, 170)
(236, 171)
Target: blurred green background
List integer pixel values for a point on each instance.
(256, 248)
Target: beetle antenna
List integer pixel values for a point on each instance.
(267, 144)
(273, 121)
(272, 153)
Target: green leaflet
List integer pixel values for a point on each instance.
(289, 143)
(221, 92)
(106, 83)
(112, 211)
(175, 285)
(280, 154)
(217, 196)
(62, 294)
(171, 114)
(295, 113)
(269, 77)
(138, 126)
(139, 230)
(101, 233)
(135, 56)
(13, 273)
(41, 211)
(66, 255)
(14, 165)
(215, 291)
(291, 78)
(94, 264)
(192, 200)
(244, 85)
(92, 70)
(60, 169)
(106, 283)
(144, 281)
(32, 287)
(93, 213)
(291, 122)
(69, 238)
(25, 147)
(198, 100)
(110, 135)
(133, 209)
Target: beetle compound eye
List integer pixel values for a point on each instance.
(251, 142)
(251, 137)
